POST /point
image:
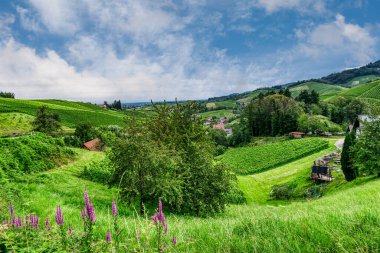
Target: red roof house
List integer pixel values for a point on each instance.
(93, 145)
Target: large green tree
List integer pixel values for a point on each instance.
(46, 122)
(348, 168)
(170, 156)
(367, 149)
(272, 115)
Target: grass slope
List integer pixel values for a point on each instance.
(249, 160)
(347, 220)
(321, 88)
(257, 187)
(15, 124)
(368, 92)
(70, 112)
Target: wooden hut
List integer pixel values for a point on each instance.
(93, 145)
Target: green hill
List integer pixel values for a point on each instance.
(321, 88)
(70, 113)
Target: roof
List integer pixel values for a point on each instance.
(218, 126)
(298, 133)
(92, 145)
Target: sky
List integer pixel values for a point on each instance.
(96, 50)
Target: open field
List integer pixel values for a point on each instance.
(338, 222)
(218, 114)
(70, 112)
(321, 88)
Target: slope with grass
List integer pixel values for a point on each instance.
(341, 221)
(321, 88)
(13, 123)
(225, 113)
(249, 160)
(70, 112)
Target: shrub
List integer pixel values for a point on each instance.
(283, 191)
(31, 154)
(99, 171)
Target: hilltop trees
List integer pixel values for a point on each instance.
(171, 157)
(46, 122)
(7, 94)
(271, 115)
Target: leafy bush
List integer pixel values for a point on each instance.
(100, 171)
(30, 154)
(283, 191)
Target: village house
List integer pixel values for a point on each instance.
(93, 145)
(297, 135)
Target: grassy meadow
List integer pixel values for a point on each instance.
(340, 221)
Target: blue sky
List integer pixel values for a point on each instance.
(95, 50)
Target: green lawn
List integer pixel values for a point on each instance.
(346, 219)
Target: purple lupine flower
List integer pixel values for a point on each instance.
(174, 240)
(90, 211)
(18, 222)
(108, 236)
(159, 216)
(114, 209)
(35, 222)
(59, 218)
(11, 210)
(70, 230)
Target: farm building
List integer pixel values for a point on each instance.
(297, 135)
(93, 145)
(218, 126)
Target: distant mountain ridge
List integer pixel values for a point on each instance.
(345, 78)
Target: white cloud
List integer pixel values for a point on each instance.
(28, 21)
(339, 40)
(5, 21)
(59, 17)
(305, 6)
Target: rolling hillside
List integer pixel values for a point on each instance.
(321, 88)
(23, 111)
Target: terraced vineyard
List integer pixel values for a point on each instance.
(250, 160)
(374, 92)
(321, 88)
(70, 112)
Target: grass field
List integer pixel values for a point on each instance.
(346, 219)
(15, 123)
(249, 160)
(218, 114)
(70, 112)
(321, 88)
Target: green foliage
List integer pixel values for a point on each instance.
(171, 157)
(272, 115)
(312, 123)
(219, 137)
(46, 122)
(31, 154)
(367, 149)
(312, 98)
(282, 191)
(249, 160)
(98, 171)
(7, 94)
(85, 132)
(12, 124)
(347, 157)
